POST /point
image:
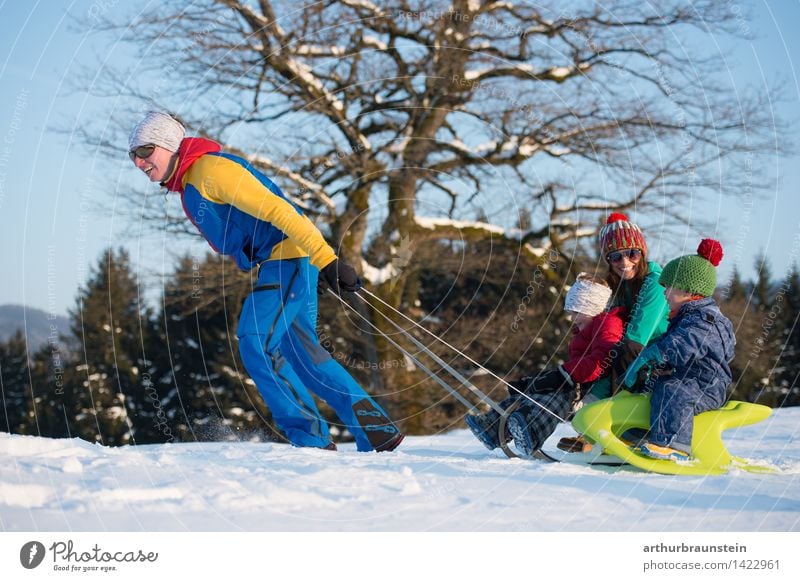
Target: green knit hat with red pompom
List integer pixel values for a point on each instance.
(695, 273)
(620, 233)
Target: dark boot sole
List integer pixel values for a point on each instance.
(391, 444)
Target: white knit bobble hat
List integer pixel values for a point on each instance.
(157, 129)
(587, 297)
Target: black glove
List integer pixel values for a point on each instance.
(519, 385)
(339, 276)
(546, 382)
(625, 352)
(551, 381)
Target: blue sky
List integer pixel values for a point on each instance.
(51, 187)
(49, 235)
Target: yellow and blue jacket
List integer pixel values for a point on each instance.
(240, 211)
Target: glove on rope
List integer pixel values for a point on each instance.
(625, 353)
(639, 370)
(339, 276)
(547, 382)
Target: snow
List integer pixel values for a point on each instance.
(538, 252)
(369, 6)
(377, 276)
(445, 482)
(473, 75)
(513, 233)
(560, 72)
(433, 223)
(115, 412)
(374, 42)
(315, 51)
(477, 75)
(304, 72)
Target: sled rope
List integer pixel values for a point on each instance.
(415, 359)
(464, 381)
(455, 374)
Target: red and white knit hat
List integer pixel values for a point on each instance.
(619, 233)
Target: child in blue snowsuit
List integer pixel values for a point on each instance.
(245, 216)
(689, 366)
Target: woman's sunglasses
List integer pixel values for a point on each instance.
(141, 152)
(633, 255)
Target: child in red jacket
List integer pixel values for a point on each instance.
(596, 332)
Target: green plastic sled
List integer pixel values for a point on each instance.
(603, 421)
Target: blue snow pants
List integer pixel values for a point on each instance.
(673, 405)
(281, 352)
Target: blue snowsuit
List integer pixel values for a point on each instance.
(245, 215)
(694, 372)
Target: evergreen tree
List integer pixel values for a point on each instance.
(201, 386)
(764, 367)
(110, 326)
(15, 385)
(50, 404)
(762, 289)
(736, 305)
(735, 289)
(787, 368)
(768, 339)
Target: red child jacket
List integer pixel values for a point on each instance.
(591, 350)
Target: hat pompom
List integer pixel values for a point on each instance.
(617, 217)
(619, 233)
(711, 250)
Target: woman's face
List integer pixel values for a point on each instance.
(156, 164)
(624, 263)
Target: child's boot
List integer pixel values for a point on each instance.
(575, 444)
(485, 427)
(518, 428)
(663, 452)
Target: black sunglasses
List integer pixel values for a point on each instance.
(141, 152)
(632, 254)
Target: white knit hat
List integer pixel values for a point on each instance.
(587, 297)
(157, 129)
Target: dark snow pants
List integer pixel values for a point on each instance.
(541, 424)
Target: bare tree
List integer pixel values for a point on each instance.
(392, 120)
(405, 124)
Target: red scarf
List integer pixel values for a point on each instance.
(191, 148)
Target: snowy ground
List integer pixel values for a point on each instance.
(439, 483)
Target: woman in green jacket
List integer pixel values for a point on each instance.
(635, 283)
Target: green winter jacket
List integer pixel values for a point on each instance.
(649, 318)
(649, 314)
